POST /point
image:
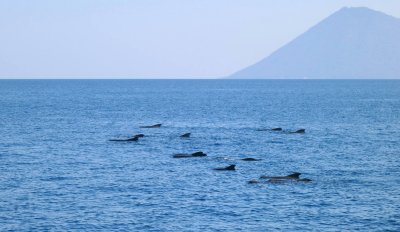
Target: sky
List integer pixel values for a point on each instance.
(153, 38)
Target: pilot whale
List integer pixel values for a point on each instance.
(272, 129)
(133, 139)
(294, 177)
(186, 135)
(196, 154)
(299, 131)
(279, 179)
(253, 181)
(228, 168)
(304, 180)
(153, 126)
(250, 159)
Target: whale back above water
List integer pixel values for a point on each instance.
(185, 155)
(153, 126)
(199, 153)
(299, 131)
(228, 168)
(182, 155)
(271, 129)
(292, 176)
(133, 139)
(253, 181)
(279, 179)
(250, 159)
(186, 135)
(305, 180)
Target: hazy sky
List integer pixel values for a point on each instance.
(152, 38)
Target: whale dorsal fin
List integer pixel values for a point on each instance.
(133, 139)
(186, 135)
(199, 153)
(231, 167)
(295, 175)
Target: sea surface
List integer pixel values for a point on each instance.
(60, 172)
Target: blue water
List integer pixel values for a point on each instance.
(58, 171)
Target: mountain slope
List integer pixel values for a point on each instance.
(351, 43)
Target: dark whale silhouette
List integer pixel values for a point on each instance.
(293, 176)
(279, 179)
(251, 159)
(253, 181)
(153, 126)
(228, 168)
(271, 129)
(133, 139)
(187, 135)
(299, 131)
(196, 154)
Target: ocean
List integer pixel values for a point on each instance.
(60, 172)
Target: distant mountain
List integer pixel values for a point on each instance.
(351, 43)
